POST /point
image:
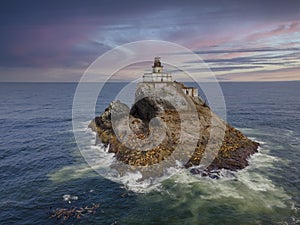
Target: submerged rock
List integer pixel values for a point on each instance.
(73, 212)
(166, 122)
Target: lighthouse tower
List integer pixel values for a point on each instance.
(157, 74)
(157, 67)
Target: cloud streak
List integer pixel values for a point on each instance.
(70, 35)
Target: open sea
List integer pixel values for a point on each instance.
(42, 169)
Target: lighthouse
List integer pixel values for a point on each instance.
(157, 74)
(157, 67)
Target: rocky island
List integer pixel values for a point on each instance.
(170, 121)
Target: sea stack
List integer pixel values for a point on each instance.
(170, 120)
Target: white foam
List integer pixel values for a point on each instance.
(72, 172)
(248, 185)
(68, 198)
(131, 182)
(102, 162)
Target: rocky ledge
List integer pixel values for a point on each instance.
(164, 119)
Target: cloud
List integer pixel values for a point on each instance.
(71, 34)
(240, 50)
(226, 68)
(281, 29)
(284, 58)
(286, 74)
(48, 46)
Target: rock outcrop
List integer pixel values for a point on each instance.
(165, 122)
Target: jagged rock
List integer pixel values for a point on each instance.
(164, 119)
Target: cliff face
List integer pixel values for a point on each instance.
(166, 123)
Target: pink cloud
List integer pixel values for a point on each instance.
(48, 44)
(283, 74)
(281, 29)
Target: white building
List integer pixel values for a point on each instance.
(190, 91)
(160, 79)
(157, 74)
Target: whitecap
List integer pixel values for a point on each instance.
(245, 185)
(68, 198)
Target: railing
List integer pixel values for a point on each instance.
(153, 77)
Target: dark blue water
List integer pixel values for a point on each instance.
(40, 163)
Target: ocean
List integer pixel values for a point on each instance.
(42, 168)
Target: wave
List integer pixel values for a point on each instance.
(69, 198)
(251, 184)
(250, 190)
(72, 172)
(244, 184)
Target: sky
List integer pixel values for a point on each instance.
(56, 41)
